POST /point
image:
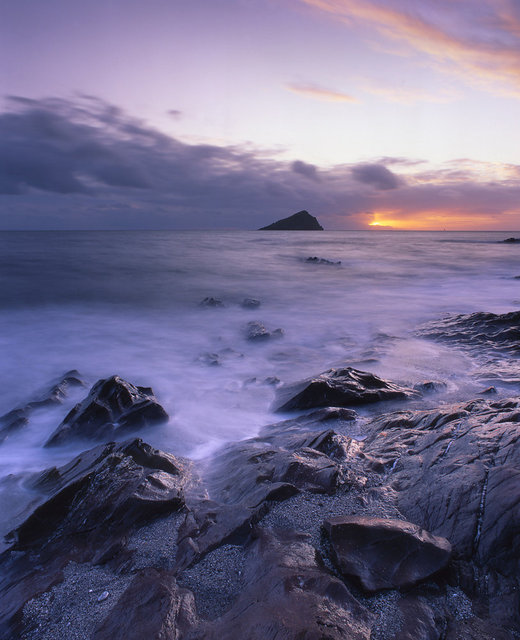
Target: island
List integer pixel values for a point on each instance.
(301, 221)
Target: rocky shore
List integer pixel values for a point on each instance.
(400, 526)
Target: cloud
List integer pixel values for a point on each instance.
(319, 93)
(376, 175)
(307, 170)
(85, 164)
(478, 42)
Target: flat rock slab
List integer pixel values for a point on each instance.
(385, 553)
(112, 407)
(345, 387)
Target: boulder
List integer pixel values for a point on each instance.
(346, 387)
(385, 553)
(18, 418)
(301, 221)
(256, 332)
(211, 303)
(250, 303)
(112, 407)
(316, 260)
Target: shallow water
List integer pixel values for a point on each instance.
(127, 303)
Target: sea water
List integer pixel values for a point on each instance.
(128, 303)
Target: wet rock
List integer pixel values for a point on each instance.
(250, 303)
(209, 359)
(346, 387)
(301, 221)
(385, 553)
(491, 330)
(112, 407)
(489, 391)
(316, 260)
(511, 240)
(211, 303)
(430, 386)
(287, 594)
(256, 331)
(87, 509)
(153, 606)
(18, 418)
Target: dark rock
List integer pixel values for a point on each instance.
(153, 606)
(385, 553)
(250, 303)
(346, 387)
(478, 330)
(420, 621)
(113, 406)
(287, 594)
(256, 331)
(88, 507)
(18, 418)
(316, 260)
(209, 359)
(511, 240)
(211, 303)
(430, 386)
(490, 391)
(301, 221)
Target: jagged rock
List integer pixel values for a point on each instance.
(489, 391)
(430, 386)
(478, 329)
(112, 407)
(511, 240)
(250, 303)
(301, 221)
(346, 387)
(18, 418)
(256, 331)
(153, 606)
(287, 594)
(211, 303)
(385, 553)
(87, 509)
(316, 260)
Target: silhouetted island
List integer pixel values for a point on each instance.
(301, 221)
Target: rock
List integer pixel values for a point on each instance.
(430, 386)
(256, 331)
(211, 303)
(287, 594)
(18, 418)
(316, 260)
(153, 606)
(112, 407)
(87, 509)
(209, 359)
(250, 303)
(346, 387)
(385, 553)
(511, 240)
(489, 391)
(477, 330)
(301, 221)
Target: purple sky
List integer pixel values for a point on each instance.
(206, 114)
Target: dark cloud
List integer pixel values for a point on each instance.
(376, 175)
(174, 113)
(307, 170)
(86, 164)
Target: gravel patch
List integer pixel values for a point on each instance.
(216, 580)
(74, 608)
(155, 544)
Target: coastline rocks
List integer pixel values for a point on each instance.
(18, 418)
(495, 331)
(257, 332)
(316, 260)
(113, 406)
(345, 387)
(385, 553)
(301, 221)
(250, 303)
(211, 303)
(511, 240)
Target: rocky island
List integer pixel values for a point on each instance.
(301, 221)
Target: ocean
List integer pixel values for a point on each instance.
(128, 303)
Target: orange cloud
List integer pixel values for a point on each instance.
(319, 93)
(485, 50)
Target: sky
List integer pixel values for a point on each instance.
(229, 114)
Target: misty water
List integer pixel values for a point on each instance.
(127, 303)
